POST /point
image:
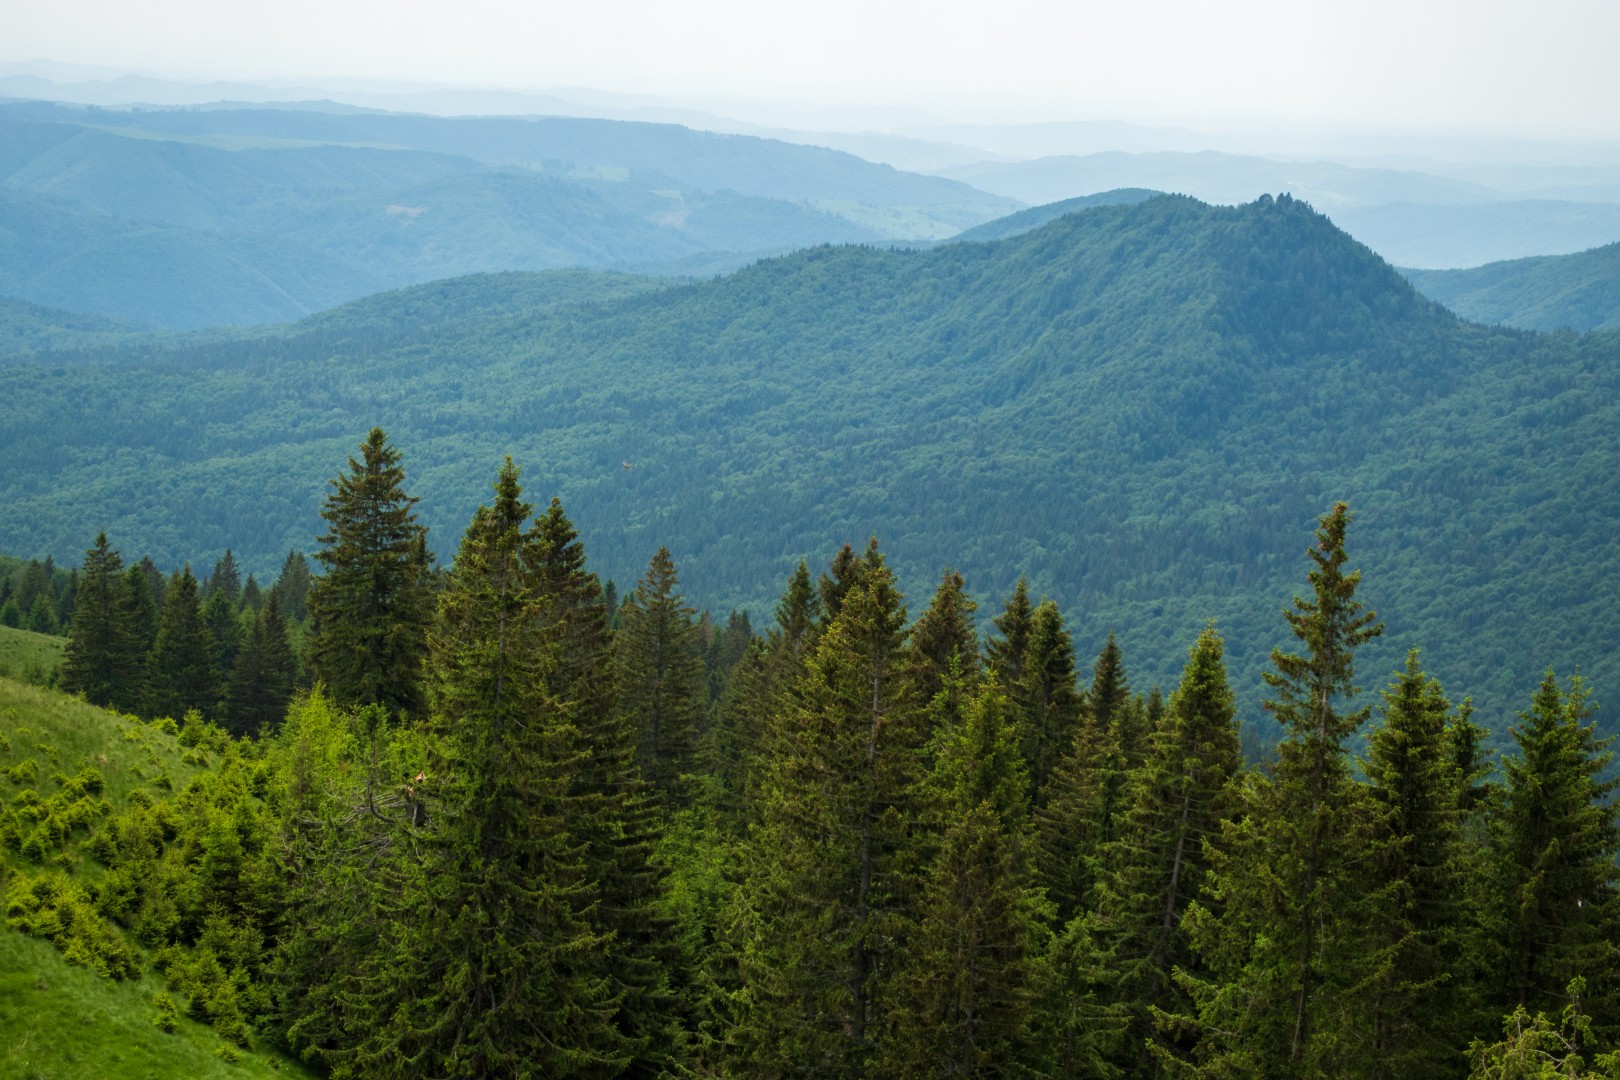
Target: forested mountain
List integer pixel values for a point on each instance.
(1411, 218)
(191, 218)
(1137, 406)
(1552, 292)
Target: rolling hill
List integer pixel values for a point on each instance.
(192, 218)
(1142, 407)
(1551, 292)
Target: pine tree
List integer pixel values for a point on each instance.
(225, 631)
(660, 678)
(943, 640)
(261, 681)
(616, 814)
(1085, 791)
(1555, 847)
(370, 610)
(182, 657)
(1284, 929)
(1417, 1003)
(1045, 700)
(141, 616)
(293, 584)
(501, 973)
(226, 579)
(1014, 624)
(966, 998)
(102, 659)
(1154, 870)
(832, 862)
(799, 610)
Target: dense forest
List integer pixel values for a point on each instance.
(485, 817)
(1137, 407)
(1548, 292)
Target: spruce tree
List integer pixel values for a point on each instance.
(832, 862)
(660, 678)
(182, 657)
(293, 584)
(1555, 845)
(616, 815)
(371, 608)
(1005, 652)
(1174, 804)
(226, 579)
(975, 971)
(943, 640)
(1418, 1003)
(1284, 930)
(102, 659)
(1046, 703)
(500, 972)
(261, 681)
(141, 616)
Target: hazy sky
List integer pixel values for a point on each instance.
(1509, 66)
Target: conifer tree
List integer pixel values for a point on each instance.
(293, 584)
(660, 677)
(616, 814)
(1417, 1005)
(1006, 651)
(182, 657)
(1173, 805)
(141, 616)
(261, 682)
(226, 578)
(799, 610)
(832, 861)
(1044, 697)
(943, 640)
(1284, 929)
(1556, 841)
(225, 631)
(371, 608)
(252, 595)
(845, 570)
(102, 659)
(967, 996)
(499, 971)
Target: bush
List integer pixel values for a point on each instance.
(168, 1017)
(56, 908)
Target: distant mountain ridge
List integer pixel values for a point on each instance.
(200, 217)
(1551, 292)
(1141, 407)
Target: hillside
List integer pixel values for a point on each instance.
(1141, 407)
(1036, 216)
(1552, 292)
(64, 1019)
(192, 218)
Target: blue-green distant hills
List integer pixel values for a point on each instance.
(1550, 292)
(1142, 407)
(201, 217)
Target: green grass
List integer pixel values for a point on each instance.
(64, 1023)
(130, 754)
(29, 656)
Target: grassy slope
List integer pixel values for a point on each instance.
(25, 654)
(62, 1021)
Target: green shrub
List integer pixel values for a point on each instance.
(168, 1017)
(25, 771)
(56, 908)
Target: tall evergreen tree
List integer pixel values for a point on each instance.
(943, 640)
(661, 682)
(966, 998)
(1174, 805)
(261, 681)
(1284, 933)
(1418, 1003)
(141, 616)
(293, 584)
(102, 659)
(1556, 842)
(226, 579)
(616, 814)
(183, 675)
(1005, 651)
(370, 610)
(501, 973)
(1045, 700)
(832, 861)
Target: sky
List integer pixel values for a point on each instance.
(1490, 66)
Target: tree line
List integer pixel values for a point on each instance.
(517, 827)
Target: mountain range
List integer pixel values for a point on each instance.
(1141, 407)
